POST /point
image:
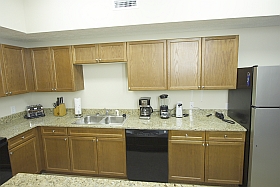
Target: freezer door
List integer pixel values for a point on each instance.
(266, 92)
(264, 165)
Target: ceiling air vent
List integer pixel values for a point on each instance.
(125, 3)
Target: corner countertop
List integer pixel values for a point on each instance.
(23, 179)
(196, 121)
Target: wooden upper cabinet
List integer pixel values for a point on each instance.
(147, 65)
(219, 62)
(99, 53)
(54, 70)
(13, 76)
(43, 69)
(184, 63)
(85, 54)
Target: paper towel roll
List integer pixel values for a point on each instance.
(78, 107)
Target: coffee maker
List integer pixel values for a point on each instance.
(163, 103)
(145, 108)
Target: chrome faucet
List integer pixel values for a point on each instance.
(107, 112)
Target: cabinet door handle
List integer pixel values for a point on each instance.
(207, 144)
(198, 86)
(65, 139)
(203, 144)
(97, 140)
(203, 87)
(11, 153)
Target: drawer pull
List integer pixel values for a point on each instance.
(22, 137)
(53, 131)
(225, 136)
(187, 135)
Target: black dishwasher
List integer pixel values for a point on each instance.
(5, 165)
(147, 155)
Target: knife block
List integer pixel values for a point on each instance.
(60, 110)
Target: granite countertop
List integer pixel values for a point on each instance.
(197, 120)
(23, 179)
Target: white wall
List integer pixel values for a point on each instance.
(12, 15)
(53, 15)
(106, 84)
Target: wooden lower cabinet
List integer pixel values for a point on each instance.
(111, 157)
(85, 151)
(24, 153)
(211, 157)
(98, 151)
(56, 152)
(83, 154)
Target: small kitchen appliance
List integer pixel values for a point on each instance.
(179, 110)
(163, 102)
(34, 111)
(145, 108)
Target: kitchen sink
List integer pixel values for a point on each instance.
(114, 120)
(101, 120)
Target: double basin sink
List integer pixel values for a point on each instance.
(101, 120)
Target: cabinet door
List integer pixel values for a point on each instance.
(56, 151)
(63, 75)
(14, 69)
(83, 154)
(85, 54)
(112, 52)
(2, 86)
(24, 158)
(43, 69)
(186, 160)
(219, 62)
(224, 162)
(147, 65)
(111, 157)
(184, 64)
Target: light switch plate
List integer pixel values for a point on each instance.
(191, 105)
(13, 109)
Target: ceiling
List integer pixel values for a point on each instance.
(190, 26)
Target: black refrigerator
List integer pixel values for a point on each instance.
(255, 104)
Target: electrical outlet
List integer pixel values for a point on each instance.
(13, 109)
(191, 105)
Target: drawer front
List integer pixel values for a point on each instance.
(187, 135)
(225, 136)
(96, 132)
(54, 130)
(15, 141)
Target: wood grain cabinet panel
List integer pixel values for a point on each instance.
(25, 154)
(211, 157)
(147, 65)
(111, 157)
(12, 70)
(56, 153)
(83, 155)
(54, 70)
(99, 53)
(219, 62)
(184, 63)
(224, 162)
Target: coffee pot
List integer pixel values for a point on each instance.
(145, 108)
